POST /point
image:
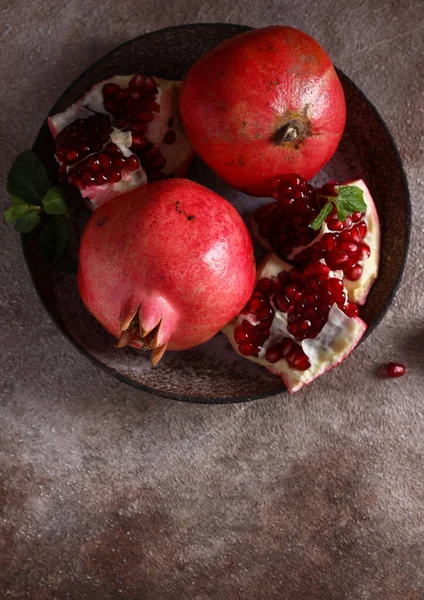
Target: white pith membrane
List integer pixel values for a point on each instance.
(177, 156)
(357, 290)
(331, 346)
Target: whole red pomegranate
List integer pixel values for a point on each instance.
(262, 104)
(166, 265)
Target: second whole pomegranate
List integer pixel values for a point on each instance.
(263, 104)
(166, 265)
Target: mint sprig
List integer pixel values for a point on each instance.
(36, 201)
(349, 199)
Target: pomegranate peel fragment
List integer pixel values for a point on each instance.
(309, 327)
(352, 246)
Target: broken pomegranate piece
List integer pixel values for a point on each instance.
(298, 323)
(351, 245)
(123, 132)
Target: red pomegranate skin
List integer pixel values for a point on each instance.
(173, 248)
(239, 98)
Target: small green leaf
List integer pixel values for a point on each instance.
(27, 223)
(350, 199)
(14, 213)
(53, 239)
(16, 201)
(27, 179)
(54, 202)
(319, 220)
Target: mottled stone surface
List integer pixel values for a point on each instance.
(109, 492)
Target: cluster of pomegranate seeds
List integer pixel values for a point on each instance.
(343, 247)
(82, 137)
(306, 297)
(129, 109)
(104, 167)
(285, 223)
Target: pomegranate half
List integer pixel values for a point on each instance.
(262, 104)
(351, 246)
(166, 265)
(298, 324)
(123, 132)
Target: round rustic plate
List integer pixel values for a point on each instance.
(213, 373)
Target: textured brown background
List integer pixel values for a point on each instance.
(107, 492)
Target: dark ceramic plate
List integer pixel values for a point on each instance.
(213, 373)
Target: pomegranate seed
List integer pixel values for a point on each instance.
(334, 224)
(281, 302)
(362, 229)
(351, 310)
(132, 162)
(357, 216)
(88, 177)
(256, 304)
(287, 346)
(364, 251)
(327, 241)
(354, 273)
(119, 162)
(137, 81)
(349, 247)
(265, 313)
(71, 157)
(105, 161)
(169, 137)
(110, 90)
(240, 335)
(338, 258)
(264, 286)
(150, 84)
(139, 142)
(273, 353)
(114, 176)
(101, 179)
(355, 236)
(393, 369)
(321, 270)
(139, 127)
(300, 362)
(246, 348)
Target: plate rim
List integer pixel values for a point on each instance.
(230, 399)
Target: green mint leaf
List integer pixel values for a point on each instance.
(18, 211)
(16, 201)
(54, 202)
(350, 199)
(27, 179)
(53, 239)
(319, 220)
(27, 223)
